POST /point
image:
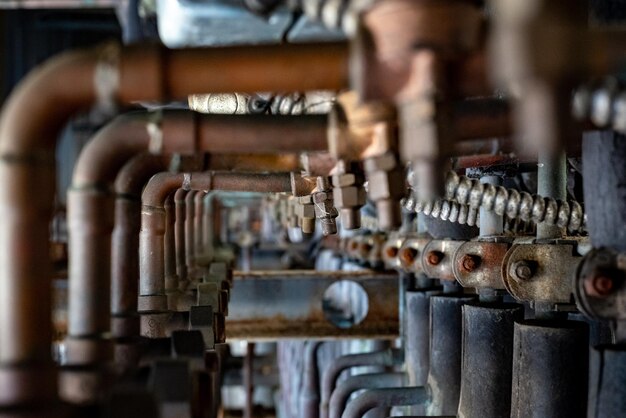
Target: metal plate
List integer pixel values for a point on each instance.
(443, 270)
(488, 273)
(553, 279)
(288, 304)
(390, 252)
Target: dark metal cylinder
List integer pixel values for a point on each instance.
(171, 280)
(487, 359)
(444, 375)
(190, 254)
(417, 339)
(604, 173)
(550, 360)
(607, 382)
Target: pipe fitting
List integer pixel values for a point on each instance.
(325, 210)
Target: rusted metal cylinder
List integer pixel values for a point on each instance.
(125, 241)
(199, 226)
(190, 231)
(446, 342)
(171, 280)
(487, 367)
(179, 234)
(607, 381)
(550, 369)
(90, 248)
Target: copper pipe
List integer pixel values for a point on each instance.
(171, 280)
(125, 241)
(198, 227)
(179, 235)
(190, 242)
(29, 125)
(152, 299)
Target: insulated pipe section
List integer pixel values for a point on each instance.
(487, 359)
(125, 241)
(550, 360)
(340, 396)
(152, 300)
(387, 397)
(446, 342)
(29, 125)
(385, 358)
(309, 402)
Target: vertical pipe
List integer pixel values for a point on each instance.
(550, 360)
(179, 235)
(444, 376)
(487, 359)
(198, 226)
(190, 255)
(607, 382)
(171, 280)
(551, 182)
(417, 339)
(309, 402)
(248, 380)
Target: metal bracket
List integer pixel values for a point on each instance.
(437, 258)
(478, 264)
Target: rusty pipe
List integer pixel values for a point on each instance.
(169, 245)
(199, 228)
(388, 357)
(340, 396)
(33, 116)
(179, 235)
(125, 241)
(190, 242)
(152, 299)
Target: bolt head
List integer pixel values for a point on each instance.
(470, 263)
(434, 257)
(523, 270)
(599, 285)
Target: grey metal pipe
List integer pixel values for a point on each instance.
(387, 397)
(487, 359)
(444, 375)
(388, 357)
(551, 182)
(309, 401)
(550, 369)
(342, 393)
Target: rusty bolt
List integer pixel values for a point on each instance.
(391, 252)
(599, 286)
(469, 263)
(523, 270)
(408, 255)
(434, 257)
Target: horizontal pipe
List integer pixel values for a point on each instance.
(40, 106)
(340, 396)
(387, 357)
(386, 397)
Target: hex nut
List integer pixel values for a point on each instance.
(349, 197)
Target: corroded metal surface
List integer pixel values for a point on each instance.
(288, 304)
(479, 264)
(438, 257)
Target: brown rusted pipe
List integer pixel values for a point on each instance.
(152, 299)
(29, 125)
(179, 236)
(198, 227)
(190, 242)
(125, 241)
